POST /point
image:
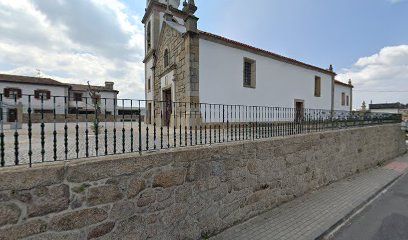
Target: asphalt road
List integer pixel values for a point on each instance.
(385, 219)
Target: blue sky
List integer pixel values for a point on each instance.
(102, 40)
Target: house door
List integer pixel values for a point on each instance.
(168, 107)
(299, 106)
(12, 115)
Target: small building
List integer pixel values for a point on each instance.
(185, 64)
(80, 98)
(44, 95)
(394, 108)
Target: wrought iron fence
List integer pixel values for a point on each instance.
(35, 129)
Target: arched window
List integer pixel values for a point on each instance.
(166, 58)
(149, 36)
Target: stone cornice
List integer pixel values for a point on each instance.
(149, 54)
(167, 70)
(162, 7)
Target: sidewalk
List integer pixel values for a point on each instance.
(313, 215)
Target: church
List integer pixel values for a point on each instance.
(185, 64)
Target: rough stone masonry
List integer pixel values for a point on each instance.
(191, 193)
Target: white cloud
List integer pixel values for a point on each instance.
(74, 41)
(396, 1)
(382, 77)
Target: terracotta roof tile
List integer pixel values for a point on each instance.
(342, 83)
(30, 80)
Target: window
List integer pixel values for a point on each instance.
(348, 101)
(318, 87)
(13, 93)
(249, 73)
(148, 85)
(343, 99)
(166, 58)
(78, 97)
(149, 36)
(42, 94)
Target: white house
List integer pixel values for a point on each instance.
(184, 64)
(45, 95)
(343, 96)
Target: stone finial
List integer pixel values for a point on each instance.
(349, 82)
(364, 106)
(189, 7)
(331, 68)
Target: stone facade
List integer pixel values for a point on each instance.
(182, 194)
(184, 65)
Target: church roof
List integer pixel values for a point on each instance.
(243, 46)
(342, 83)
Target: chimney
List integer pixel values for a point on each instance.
(109, 85)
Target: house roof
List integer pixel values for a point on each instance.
(243, 46)
(342, 83)
(388, 106)
(84, 88)
(30, 80)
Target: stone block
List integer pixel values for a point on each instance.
(78, 219)
(100, 169)
(9, 214)
(122, 210)
(44, 175)
(147, 197)
(55, 236)
(101, 230)
(135, 187)
(47, 200)
(103, 194)
(23, 230)
(169, 178)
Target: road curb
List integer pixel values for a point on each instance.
(330, 231)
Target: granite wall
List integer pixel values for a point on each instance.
(189, 193)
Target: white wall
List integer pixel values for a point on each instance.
(385, 110)
(278, 84)
(109, 106)
(338, 90)
(28, 89)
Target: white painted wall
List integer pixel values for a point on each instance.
(338, 90)
(385, 110)
(277, 83)
(28, 89)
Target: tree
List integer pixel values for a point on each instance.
(96, 104)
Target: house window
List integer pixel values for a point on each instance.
(348, 101)
(249, 73)
(149, 36)
(318, 87)
(13, 93)
(343, 99)
(42, 94)
(149, 84)
(78, 97)
(166, 58)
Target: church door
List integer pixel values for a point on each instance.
(168, 106)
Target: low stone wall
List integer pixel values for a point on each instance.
(182, 194)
